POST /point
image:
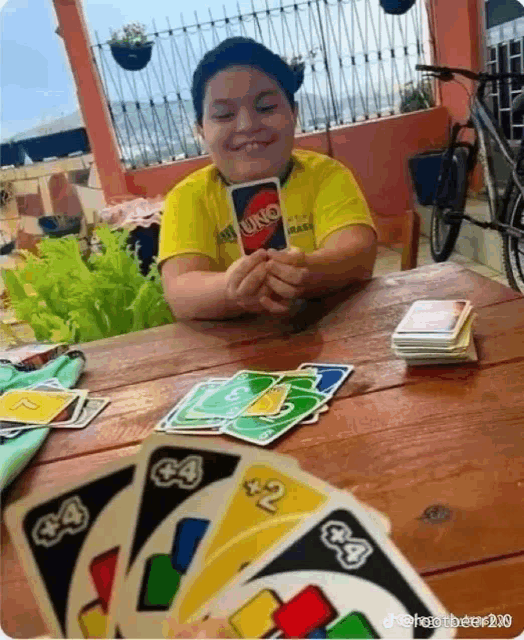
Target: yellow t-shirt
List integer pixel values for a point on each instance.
(320, 196)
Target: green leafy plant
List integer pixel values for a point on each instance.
(66, 297)
(415, 98)
(131, 35)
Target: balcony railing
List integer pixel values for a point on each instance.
(358, 63)
(506, 54)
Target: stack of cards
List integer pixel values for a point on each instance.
(436, 332)
(36, 354)
(256, 406)
(47, 404)
(184, 529)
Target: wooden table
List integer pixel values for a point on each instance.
(403, 440)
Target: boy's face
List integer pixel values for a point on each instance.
(248, 125)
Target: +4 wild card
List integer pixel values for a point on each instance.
(257, 215)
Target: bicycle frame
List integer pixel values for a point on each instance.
(483, 121)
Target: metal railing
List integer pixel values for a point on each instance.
(359, 63)
(505, 56)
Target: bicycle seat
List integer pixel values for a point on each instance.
(517, 105)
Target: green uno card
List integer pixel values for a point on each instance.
(302, 382)
(179, 415)
(235, 395)
(264, 429)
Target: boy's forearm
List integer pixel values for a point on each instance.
(200, 295)
(328, 271)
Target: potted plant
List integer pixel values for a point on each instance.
(66, 296)
(415, 98)
(396, 7)
(130, 47)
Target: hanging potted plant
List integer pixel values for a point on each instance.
(396, 7)
(130, 48)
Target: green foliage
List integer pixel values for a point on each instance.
(415, 98)
(68, 298)
(131, 35)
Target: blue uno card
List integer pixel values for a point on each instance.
(332, 375)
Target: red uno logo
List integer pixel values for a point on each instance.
(260, 220)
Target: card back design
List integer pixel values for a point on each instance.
(258, 215)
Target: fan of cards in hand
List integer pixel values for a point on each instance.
(187, 529)
(256, 406)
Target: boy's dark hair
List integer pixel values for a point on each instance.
(244, 52)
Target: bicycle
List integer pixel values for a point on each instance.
(457, 164)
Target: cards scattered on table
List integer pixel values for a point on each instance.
(47, 404)
(257, 406)
(436, 332)
(185, 528)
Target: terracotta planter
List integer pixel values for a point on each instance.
(132, 58)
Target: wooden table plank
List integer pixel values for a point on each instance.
(496, 587)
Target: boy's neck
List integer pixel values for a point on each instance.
(283, 175)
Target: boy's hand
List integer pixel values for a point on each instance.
(287, 273)
(246, 285)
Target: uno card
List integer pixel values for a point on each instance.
(299, 380)
(180, 415)
(270, 403)
(237, 394)
(267, 503)
(262, 430)
(34, 407)
(332, 376)
(66, 419)
(193, 431)
(444, 317)
(90, 410)
(257, 215)
(332, 577)
(182, 486)
(69, 544)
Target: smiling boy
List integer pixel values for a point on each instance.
(243, 95)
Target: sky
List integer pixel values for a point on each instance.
(36, 82)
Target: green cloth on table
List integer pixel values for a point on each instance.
(16, 452)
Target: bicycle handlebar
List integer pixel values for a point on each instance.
(446, 73)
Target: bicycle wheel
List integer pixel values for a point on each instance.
(513, 248)
(449, 200)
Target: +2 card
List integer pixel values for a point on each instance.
(257, 215)
(269, 500)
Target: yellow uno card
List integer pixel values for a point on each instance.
(34, 407)
(267, 504)
(270, 403)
